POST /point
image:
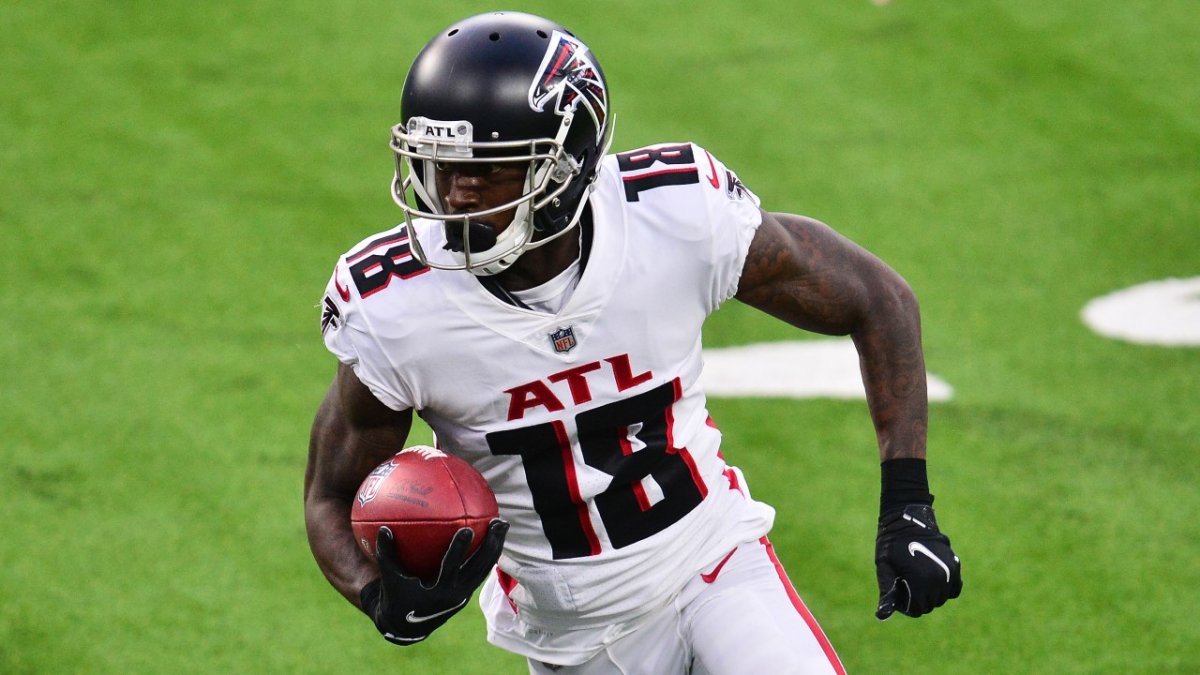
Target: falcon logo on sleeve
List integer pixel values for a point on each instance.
(331, 316)
(569, 76)
(734, 187)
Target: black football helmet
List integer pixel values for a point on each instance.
(501, 87)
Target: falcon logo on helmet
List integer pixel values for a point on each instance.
(568, 73)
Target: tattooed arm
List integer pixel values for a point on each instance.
(801, 271)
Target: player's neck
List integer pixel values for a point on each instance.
(537, 266)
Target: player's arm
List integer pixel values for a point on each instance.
(803, 272)
(353, 432)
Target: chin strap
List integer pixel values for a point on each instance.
(515, 238)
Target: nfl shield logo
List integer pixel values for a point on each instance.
(563, 339)
(370, 487)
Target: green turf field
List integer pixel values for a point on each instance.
(178, 179)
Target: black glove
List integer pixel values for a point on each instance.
(404, 609)
(916, 569)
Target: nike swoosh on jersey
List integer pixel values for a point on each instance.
(411, 617)
(344, 292)
(712, 576)
(915, 547)
(712, 179)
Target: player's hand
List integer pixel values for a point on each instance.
(404, 609)
(915, 566)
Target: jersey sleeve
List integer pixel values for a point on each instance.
(346, 330)
(698, 207)
(733, 216)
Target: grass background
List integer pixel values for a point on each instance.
(178, 179)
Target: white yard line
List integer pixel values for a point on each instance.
(799, 369)
(1165, 312)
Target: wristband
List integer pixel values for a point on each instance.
(902, 482)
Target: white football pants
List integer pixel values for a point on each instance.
(740, 617)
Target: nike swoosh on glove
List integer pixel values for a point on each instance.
(405, 610)
(914, 564)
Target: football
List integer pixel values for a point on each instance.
(424, 496)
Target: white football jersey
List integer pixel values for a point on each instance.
(588, 424)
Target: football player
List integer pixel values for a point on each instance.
(541, 308)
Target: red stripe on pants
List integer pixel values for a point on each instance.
(807, 615)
